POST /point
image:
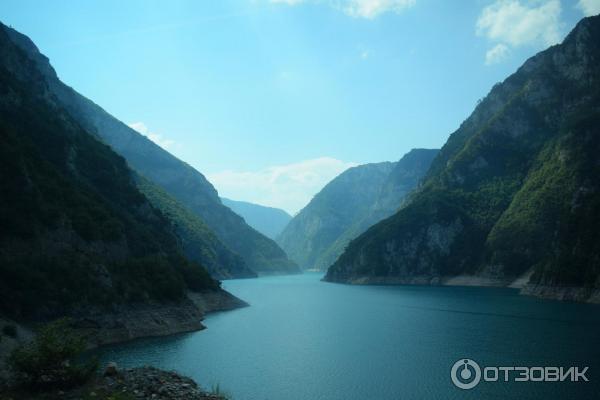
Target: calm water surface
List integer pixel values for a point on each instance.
(306, 339)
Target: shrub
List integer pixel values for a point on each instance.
(51, 360)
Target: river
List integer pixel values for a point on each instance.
(304, 339)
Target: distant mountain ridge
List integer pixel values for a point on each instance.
(180, 180)
(269, 221)
(513, 198)
(348, 205)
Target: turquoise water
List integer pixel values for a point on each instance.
(306, 339)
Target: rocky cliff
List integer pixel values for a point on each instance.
(513, 196)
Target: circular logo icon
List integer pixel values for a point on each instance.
(465, 374)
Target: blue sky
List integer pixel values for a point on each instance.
(272, 98)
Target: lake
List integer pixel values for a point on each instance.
(303, 339)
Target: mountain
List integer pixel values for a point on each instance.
(348, 205)
(188, 186)
(269, 221)
(331, 212)
(402, 180)
(513, 197)
(77, 237)
(198, 242)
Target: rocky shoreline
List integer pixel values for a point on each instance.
(560, 293)
(126, 323)
(460, 280)
(563, 293)
(144, 383)
(152, 383)
(148, 320)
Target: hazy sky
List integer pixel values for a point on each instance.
(270, 99)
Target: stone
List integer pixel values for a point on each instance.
(111, 369)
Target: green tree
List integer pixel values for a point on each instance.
(52, 359)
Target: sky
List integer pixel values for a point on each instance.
(271, 99)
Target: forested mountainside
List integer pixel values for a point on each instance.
(180, 180)
(348, 205)
(269, 221)
(515, 192)
(76, 234)
(199, 243)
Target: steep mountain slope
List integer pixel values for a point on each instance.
(403, 179)
(332, 211)
(77, 237)
(348, 205)
(269, 221)
(199, 243)
(180, 180)
(513, 193)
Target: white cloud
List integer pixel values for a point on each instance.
(373, 8)
(496, 54)
(589, 7)
(519, 23)
(368, 9)
(155, 137)
(514, 23)
(289, 186)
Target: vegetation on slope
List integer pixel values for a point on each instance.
(332, 211)
(199, 243)
(180, 180)
(269, 221)
(348, 205)
(514, 189)
(76, 232)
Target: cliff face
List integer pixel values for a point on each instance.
(348, 205)
(180, 180)
(514, 192)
